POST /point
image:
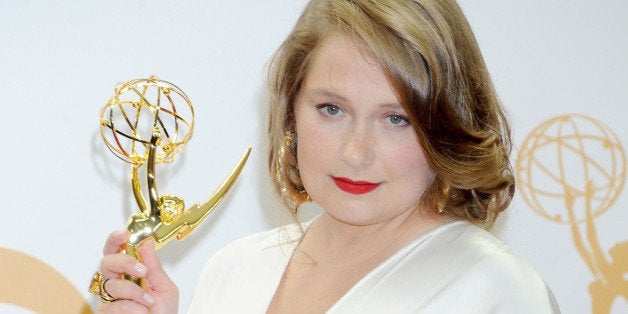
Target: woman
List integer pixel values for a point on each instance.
(383, 113)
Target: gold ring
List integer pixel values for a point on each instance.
(104, 295)
(97, 287)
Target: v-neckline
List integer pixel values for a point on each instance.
(293, 234)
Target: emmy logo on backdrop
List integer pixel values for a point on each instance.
(570, 170)
(146, 122)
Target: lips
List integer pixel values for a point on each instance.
(355, 187)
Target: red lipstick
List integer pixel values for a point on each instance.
(355, 187)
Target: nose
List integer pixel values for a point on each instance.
(358, 146)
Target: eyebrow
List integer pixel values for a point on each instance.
(321, 92)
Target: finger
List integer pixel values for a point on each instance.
(158, 283)
(115, 240)
(114, 265)
(122, 289)
(156, 274)
(158, 280)
(122, 306)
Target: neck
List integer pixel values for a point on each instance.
(331, 239)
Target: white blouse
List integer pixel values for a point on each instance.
(455, 268)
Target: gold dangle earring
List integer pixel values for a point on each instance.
(445, 194)
(287, 173)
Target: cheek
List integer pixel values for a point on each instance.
(411, 165)
(313, 147)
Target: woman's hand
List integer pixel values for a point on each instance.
(161, 295)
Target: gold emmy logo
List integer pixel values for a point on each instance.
(571, 169)
(32, 285)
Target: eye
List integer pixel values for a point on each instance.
(398, 120)
(329, 109)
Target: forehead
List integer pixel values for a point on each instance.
(340, 66)
(345, 53)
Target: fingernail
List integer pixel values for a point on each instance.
(149, 299)
(140, 268)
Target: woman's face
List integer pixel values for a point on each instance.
(358, 156)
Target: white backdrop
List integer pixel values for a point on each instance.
(63, 192)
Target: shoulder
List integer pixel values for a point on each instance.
(482, 251)
(482, 264)
(472, 251)
(247, 269)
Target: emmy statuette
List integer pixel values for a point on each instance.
(146, 122)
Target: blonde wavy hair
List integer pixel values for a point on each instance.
(432, 60)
